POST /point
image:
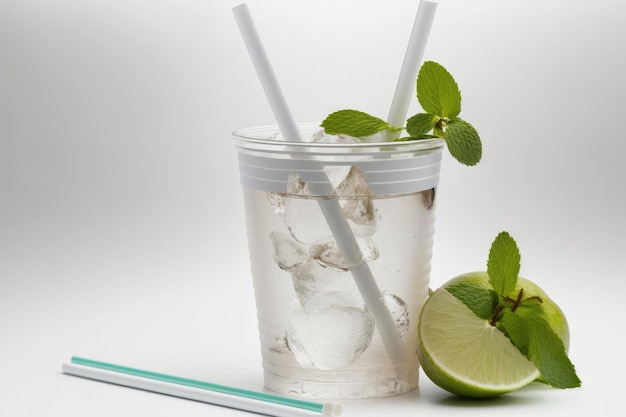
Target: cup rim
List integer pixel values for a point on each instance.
(259, 135)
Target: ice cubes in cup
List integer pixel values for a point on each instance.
(288, 254)
(399, 311)
(330, 331)
(357, 203)
(330, 326)
(327, 253)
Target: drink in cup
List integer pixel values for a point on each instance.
(340, 236)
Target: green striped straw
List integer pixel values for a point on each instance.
(251, 401)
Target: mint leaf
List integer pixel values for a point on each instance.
(503, 264)
(547, 352)
(529, 330)
(420, 124)
(463, 142)
(516, 329)
(437, 92)
(481, 301)
(353, 123)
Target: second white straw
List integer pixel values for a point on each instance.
(405, 89)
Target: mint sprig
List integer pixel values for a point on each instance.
(520, 317)
(440, 98)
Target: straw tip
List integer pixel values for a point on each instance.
(240, 7)
(332, 410)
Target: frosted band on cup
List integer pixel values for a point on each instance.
(389, 176)
(390, 168)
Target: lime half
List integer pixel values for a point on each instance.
(464, 354)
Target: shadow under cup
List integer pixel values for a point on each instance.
(340, 238)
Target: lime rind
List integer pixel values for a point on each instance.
(464, 354)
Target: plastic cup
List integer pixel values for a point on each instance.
(319, 337)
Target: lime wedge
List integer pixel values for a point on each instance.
(464, 354)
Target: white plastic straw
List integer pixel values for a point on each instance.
(405, 89)
(267, 76)
(339, 226)
(251, 401)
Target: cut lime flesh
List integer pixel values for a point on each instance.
(464, 354)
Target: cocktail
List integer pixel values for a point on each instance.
(324, 331)
(340, 225)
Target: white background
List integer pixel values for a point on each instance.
(121, 225)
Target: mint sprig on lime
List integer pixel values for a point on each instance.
(520, 316)
(483, 334)
(440, 98)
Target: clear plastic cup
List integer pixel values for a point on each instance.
(324, 332)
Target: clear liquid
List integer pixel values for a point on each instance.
(318, 338)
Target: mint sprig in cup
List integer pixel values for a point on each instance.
(440, 99)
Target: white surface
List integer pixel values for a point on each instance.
(121, 222)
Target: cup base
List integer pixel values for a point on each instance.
(342, 390)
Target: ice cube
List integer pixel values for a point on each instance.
(303, 217)
(320, 136)
(382, 136)
(398, 309)
(312, 278)
(288, 255)
(337, 173)
(335, 299)
(327, 253)
(281, 345)
(357, 203)
(329, 333)
(277, 201)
